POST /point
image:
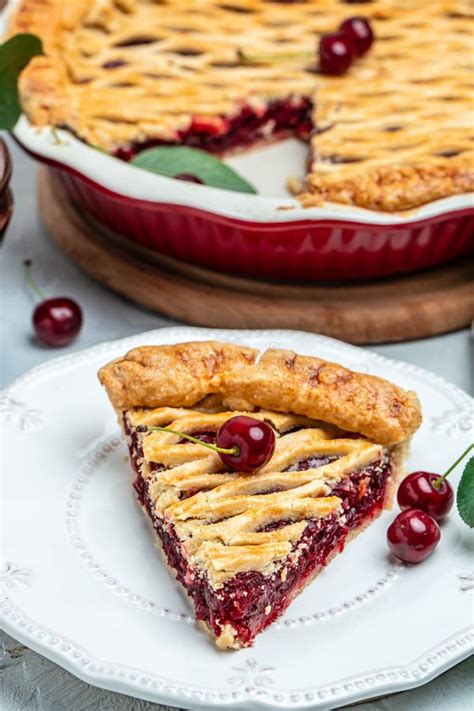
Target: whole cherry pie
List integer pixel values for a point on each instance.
(244, 544)
(392, 133)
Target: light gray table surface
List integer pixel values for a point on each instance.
(31, 682)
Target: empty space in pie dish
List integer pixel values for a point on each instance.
(258, 166)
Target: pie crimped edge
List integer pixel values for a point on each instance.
(280, 380)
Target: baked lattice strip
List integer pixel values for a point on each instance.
(222, 517)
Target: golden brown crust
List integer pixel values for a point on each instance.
(392, 187)
(225, 522)
(182, 375)
(393, 133)
(139, 70)
(44, 86)
(174, 376)
(325, 391)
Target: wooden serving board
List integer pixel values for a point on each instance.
(398, 309)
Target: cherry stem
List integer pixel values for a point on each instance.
(235, 451)
(263, 58)
(56, 137)
(437, 482)
(31, 282)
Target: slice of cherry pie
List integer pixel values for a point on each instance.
(244, 544)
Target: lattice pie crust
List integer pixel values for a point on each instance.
(393, 133)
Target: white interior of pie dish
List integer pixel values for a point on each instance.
(267, 168)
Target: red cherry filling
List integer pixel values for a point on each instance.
(419, 491)
(278, 118)
(336, 53)
(205, 436)
(252, 439)
(312, 463)
(413, 536)
(57, 321)
(360, 32)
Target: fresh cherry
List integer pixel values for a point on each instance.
(56, 321)
(243, 443)
(413, 536)
(252, 440)
(189, 178)
(426, 491)
(336, 53)
(360, 32)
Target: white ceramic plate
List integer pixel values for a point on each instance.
(82, 583)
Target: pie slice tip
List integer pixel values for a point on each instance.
(244, 545)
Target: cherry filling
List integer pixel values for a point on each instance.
(312, 463)
(204, 436)
(221, 134)
(250, 601)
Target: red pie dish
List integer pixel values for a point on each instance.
(252, 235)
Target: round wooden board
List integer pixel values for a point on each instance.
(398, 309)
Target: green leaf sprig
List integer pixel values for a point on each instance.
(465, 492)
(173, 161)
(15, 54)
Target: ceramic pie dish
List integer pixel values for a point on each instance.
(6, 199)
(380, 196)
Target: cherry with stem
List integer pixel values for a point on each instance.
(235, 451)
(56, 321)
(243, 443)
(428, 491)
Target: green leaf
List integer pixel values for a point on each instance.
(14, 56)
(465, 495)
(175, 160)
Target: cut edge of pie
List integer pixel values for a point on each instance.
(393, 134)
(244, 545)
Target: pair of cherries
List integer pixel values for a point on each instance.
(425, 499)
(338, 50)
